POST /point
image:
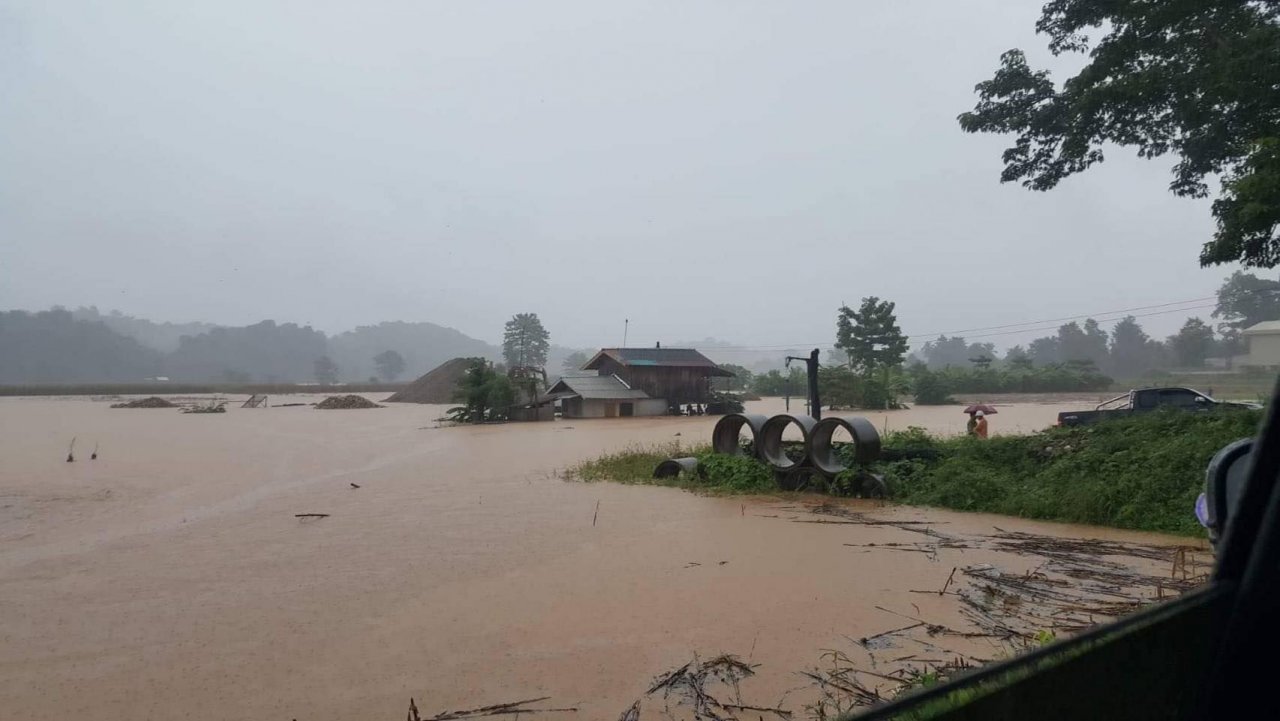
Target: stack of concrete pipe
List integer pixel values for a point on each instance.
(820, 461)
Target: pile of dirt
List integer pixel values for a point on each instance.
(438, 386)
(152, 402)
(345, 402)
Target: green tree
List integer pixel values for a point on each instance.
(1087, 343)
(740, 381)
(1195, 78)
(1018, 358)
(525, 342)
(774, 383)
(871, 336)
(1192, 344)
(1245, 299)
(1132, 350)
(1046, 350)
(574, 361)
(325, 370)
(487, 395)
(944, 351)
(930, 388)
(390, 364)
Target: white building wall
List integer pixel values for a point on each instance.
(651, 407)
(1264, 349)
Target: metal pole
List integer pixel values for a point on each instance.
(815, 404)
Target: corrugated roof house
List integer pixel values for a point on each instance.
(638, 381)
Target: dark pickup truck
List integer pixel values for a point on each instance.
(1147, 399)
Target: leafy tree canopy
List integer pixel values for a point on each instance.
(574, 361)
(525, 342)
(870, 335)
(326, 371)
(1245, 299)
(1194, 78)
(1193, 343)
(390, 364)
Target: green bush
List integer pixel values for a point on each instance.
(736, 473)
(931, 389)
(1142, 472)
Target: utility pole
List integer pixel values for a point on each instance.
(815, 403)
(626, 323)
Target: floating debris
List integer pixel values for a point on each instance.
(152, 402)
(514, 708)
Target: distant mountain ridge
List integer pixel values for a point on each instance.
(86, 345)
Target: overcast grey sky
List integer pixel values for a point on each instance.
(730, 169)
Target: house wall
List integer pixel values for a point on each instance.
(675, 384)
(1264, 349)
(583, 408)
(601, 408)
(651, 407)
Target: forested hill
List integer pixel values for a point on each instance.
(53, 347)
(86, 346)
(422, 345)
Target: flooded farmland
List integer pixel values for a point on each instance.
(172, 576)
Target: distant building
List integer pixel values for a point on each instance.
(1263, 341)
(637, 382)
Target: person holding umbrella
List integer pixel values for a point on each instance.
(980, 424)
(978, 413)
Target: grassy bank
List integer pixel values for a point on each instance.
(1142, 472)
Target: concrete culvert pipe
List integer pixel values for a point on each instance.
(801, 478)
(772, 447)
(822, 452)
(728, 431)
(673, 467)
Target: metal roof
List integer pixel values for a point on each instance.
(1266, 326)
(659, 357)
(589, 387)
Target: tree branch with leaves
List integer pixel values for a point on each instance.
(1199, 79)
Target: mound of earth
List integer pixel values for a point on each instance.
(152, 402)
(438, 386)
(345, 402)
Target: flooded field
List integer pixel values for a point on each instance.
(171, 577)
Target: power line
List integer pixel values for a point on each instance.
(1082, 316)
(1015, 331)
(1017, 327)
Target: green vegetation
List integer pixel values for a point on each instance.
(486, 394)
(729, 474)
(875, 346)
(390, 364)
(525, 342)
(326, 371)
(1012, 378)
(1142, 472)
(776, 383)
(1192, 79)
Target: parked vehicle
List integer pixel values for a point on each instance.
(1147, 399)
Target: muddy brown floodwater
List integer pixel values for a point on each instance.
(170, 578)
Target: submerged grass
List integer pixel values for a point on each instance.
(1142, 472)
(718, 473)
